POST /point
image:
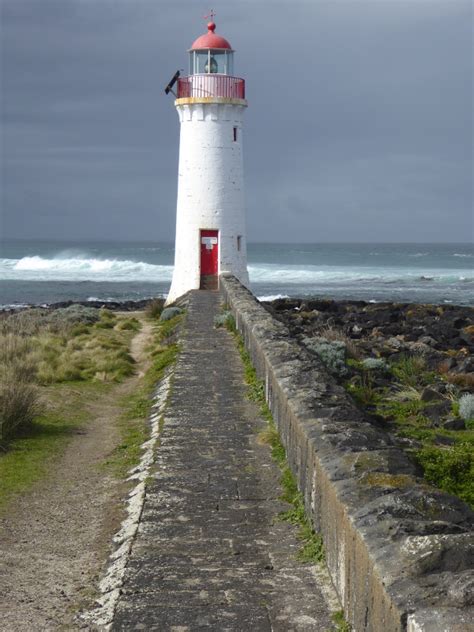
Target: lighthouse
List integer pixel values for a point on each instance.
(210, 216)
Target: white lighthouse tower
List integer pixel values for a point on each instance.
(210, 218)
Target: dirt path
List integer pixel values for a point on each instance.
(55, 539)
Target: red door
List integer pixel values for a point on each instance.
(209, 252)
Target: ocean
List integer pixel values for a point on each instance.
(38, 272)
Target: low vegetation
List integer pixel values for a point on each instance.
(312, 550)
(133, 424)
(430, 414)
(53, 365)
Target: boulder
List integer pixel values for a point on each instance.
(429, 394)
(454, 423)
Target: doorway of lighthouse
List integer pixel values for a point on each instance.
(209, 259)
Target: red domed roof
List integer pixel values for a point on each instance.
(211, 40)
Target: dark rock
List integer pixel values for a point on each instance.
(467, 337)
(454, 423)
(122, 306)
(428, 340)
(460, 322)
(436, 411)
(429, 395)
(419, 347)
(466, 366)
(448, 363)
(461, 590)
(395, 343)
(442, 440)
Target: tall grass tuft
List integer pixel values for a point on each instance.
(19, 399)
(154, 308)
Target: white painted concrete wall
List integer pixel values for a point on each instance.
(210, 192)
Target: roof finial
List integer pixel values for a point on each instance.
(211, 26)
(211, 15)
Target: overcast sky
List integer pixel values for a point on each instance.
(359, 125)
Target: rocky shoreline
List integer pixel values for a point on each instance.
(410, 370)
(113, 306)
(441, 333)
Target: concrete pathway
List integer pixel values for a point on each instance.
(209, 553)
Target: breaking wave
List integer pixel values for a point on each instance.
(81, 268)
(77, 267)
(289, 275)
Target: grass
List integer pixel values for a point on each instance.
(154, 308)
(411, 371)
(333, 333)
(87, 359)
(312, 550)
(340, 622)
(448, 467)
(362, 389)
(133, 423)
(28, 456)
(69, 350)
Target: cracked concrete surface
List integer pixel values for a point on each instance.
(210, 552)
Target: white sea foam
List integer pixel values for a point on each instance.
(81, 268)
(297, 274)
(461, 254)
(272, 297)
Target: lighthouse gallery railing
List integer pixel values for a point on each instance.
(211, 86)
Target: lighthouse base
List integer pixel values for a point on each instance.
(178, 290)
(209, 282)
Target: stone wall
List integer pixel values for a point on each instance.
(400, 553)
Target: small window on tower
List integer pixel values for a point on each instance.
(235, 134)
(239, 242)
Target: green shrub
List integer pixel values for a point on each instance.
(19, 400)
(221, 320)
(410, 370)
(466, 407)
(374, 364)
(75, 314)
(332, 333)
(170, 312)
(79, 330)
(451, 469)
(19, 405)
(362, 390)
(403, 411)
(105, 324)
(154, 308)
(332, 353)
(131, 324)
(60, 321)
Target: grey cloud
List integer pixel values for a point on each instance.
(359, 121)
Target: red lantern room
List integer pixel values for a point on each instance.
(211, 53)
(211, 68)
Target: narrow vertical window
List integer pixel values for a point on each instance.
(239, 242)
(235, 134)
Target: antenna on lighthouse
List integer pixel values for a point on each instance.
(211, 16)
(174, 79)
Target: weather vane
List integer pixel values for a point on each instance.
(211, 15)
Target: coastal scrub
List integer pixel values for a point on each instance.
(412, 373)
(58, 366)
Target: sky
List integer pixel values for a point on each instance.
(359, 125)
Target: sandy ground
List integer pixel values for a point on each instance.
(54, 540)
